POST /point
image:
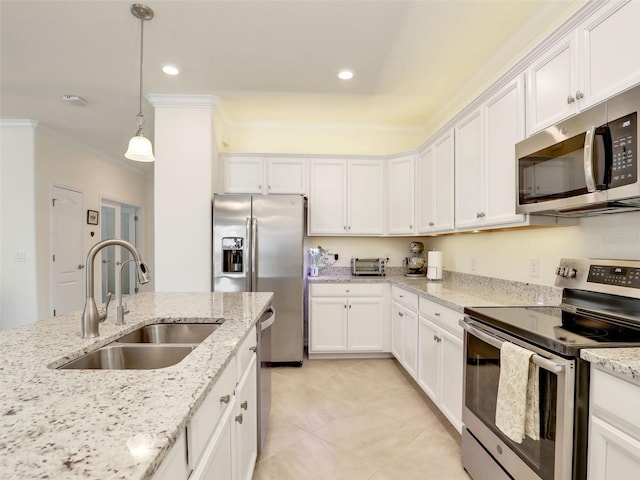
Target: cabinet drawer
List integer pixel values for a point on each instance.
(246, 351)
(444, 317)
(346, 289)
(205, 419)
(612, 395)
(404, 297)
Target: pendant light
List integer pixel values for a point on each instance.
(140, 148)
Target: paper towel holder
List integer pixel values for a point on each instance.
(434, 265)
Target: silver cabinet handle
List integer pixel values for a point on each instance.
(437, 314)
(225, 399)
(579, 95)
(80, 267)
(244, 405)
(253, 349)
(431, 224)
(239, 419)
(400, 314)
(570, 99)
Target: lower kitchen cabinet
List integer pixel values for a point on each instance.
(404, 330)
(346, 318)
(440, 358)
(222, 435)
(614, 428)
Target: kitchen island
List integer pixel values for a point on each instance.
(88, 423)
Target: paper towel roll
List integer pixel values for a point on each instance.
(434, 265)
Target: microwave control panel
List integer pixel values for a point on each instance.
(624, 149)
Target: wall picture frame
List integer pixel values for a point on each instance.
(92, 217)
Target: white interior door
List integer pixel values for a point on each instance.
(67, 262)
(118, 221)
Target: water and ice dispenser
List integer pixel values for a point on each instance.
(232, 254)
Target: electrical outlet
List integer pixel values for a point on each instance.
(534, 266)
(474, 264)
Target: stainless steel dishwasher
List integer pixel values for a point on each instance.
(264, 374)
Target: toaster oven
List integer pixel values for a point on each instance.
(368, 266)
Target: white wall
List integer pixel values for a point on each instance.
(34, 160)
(18, 286)
(506, 254)
(183, 183)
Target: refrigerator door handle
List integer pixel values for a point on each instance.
(249, 269)
(254, 254)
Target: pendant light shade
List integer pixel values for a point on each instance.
(140, 148)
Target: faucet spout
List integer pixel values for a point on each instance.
(91, 318)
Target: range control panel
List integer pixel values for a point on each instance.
(617, 277)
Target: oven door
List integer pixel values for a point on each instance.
(550, 457)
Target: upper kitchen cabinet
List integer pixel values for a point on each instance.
(591, 63)
(346, 197)
(435, 186)
(485, 160)
(265, 174)
(401, 179)
(468, 171)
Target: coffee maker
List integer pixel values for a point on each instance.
(415, 265)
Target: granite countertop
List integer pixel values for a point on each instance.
(457, 291)
(623, 361)
(77, 423)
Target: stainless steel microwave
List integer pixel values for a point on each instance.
(586, 165)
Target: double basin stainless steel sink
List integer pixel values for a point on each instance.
(153, 346)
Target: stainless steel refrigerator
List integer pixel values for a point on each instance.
(258, 247)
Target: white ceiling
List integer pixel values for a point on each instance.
(266, 60)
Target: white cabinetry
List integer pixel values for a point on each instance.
(435, 186)
(348, 318)
(404, 329)
(174, 466)
(346, 197)
(440, 358)
(589, 64)
(401, 177)
(614, 428)
(485, 160)
(265, 174)
(223, 432)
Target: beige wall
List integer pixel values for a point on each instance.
(61, 162)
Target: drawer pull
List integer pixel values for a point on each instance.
(225, 399)
(253, 349)
(437, 314)
(239, 419)
(244, 405)
(400, 314)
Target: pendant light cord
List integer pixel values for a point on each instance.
(140, 116)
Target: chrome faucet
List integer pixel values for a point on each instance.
(91, 318)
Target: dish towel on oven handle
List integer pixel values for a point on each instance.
(517, 405)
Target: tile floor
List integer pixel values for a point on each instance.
(355, 419)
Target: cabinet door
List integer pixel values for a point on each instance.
(365, 200)
(244, 174)
(365, 322)
(443, 183)
(503, 128)
(426, 191)
(401, 183)
(428, 358)
(287, 175)
(468, 141)
(451, 378)
(410, 347)
(174, 466)
(328, 198)
(609, 41)
(245, 425)
(397, 330)
(612, 453)
(328, 324)
(217, 460)
(551, 86)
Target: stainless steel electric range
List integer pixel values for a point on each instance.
(600, 308)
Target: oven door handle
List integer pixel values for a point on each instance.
(495, 342)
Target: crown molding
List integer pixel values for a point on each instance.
(160, 100)
(10, 122)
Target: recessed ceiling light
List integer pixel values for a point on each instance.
(170, 70)
(345, 75)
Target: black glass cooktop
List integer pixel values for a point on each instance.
(560, 331)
